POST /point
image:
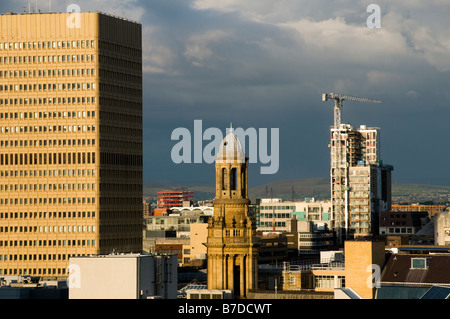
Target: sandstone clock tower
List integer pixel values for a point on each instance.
(232, 250)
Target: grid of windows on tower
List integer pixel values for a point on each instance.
(48, 45)
(71, 135)
(26, 60)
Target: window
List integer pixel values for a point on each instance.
(419, 263)
(291, 280)
(328, 281)
(233, 179)
(224, 179)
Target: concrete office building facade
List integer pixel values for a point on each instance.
(71, 140)
(275, 214)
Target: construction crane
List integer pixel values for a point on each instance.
(338, 168)
(338, 99)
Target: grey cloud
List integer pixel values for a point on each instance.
(265, 63)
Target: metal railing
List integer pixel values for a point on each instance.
(313, 265)
(329, 266)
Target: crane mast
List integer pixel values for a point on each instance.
(339, 165)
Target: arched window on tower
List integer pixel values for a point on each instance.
(233, 179)
(224, 179)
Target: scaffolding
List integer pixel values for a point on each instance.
(339, 181)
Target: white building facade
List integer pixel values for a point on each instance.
(123, 276)
(274, 214)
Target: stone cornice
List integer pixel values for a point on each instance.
(230, 201)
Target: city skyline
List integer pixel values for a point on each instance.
(269, 64)
(99, 97)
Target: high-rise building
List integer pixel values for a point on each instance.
(368, 195)
(360, 182)
(70, 139)
(232, 247)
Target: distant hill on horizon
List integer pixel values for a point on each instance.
(298, 189)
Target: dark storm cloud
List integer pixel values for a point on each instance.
(263, 64)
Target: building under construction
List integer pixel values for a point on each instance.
(174, 198)
(360, 182)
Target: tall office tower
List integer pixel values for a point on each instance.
(360, 183)
(70, 139)
(232, 248)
